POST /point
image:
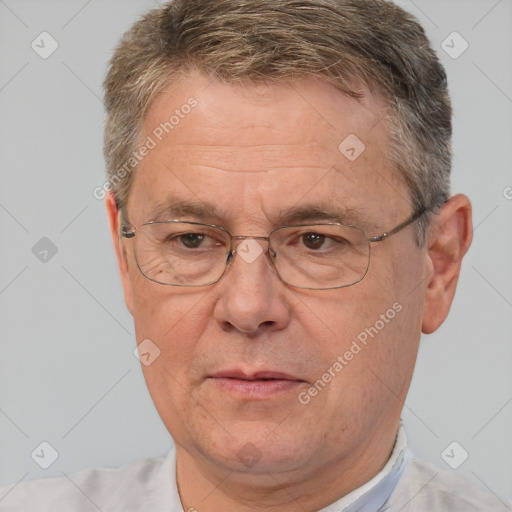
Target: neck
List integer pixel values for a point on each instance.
(205, 486)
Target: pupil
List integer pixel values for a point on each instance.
(192, 240)
(313, 240)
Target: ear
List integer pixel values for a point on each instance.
(114, 218)
(449, 239)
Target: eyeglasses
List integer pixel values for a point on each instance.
(312, 256)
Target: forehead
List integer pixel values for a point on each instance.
(249, 145)
(306, 112)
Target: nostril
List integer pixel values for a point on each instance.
(250, 332)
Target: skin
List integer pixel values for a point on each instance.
(250, 153)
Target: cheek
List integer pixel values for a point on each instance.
(376, 325)
(174, 321)
(391, 360)
(171, 318)
(357, 331)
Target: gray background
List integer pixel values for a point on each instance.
(67, 372)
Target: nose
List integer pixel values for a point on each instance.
(251, 297)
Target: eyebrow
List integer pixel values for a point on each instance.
(325, 213)
(176, 208)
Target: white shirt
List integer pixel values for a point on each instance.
(404, 485)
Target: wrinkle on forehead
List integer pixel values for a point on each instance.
(263, 199)
(251, 159)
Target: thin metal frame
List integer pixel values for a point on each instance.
(379, 238)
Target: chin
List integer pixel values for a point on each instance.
(257, 448)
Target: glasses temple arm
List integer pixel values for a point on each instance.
(398, 228)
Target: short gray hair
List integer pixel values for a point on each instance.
(350, 43)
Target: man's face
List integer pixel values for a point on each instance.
(249, 155)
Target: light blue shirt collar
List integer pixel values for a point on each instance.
(373, 495)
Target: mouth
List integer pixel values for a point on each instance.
(260, 384)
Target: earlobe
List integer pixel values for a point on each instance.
(449, 239)
(114, 218)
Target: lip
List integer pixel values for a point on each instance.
(252, 376)
(258, 384)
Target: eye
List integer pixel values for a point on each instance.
(193, 240)
(318, 241)
(313, 241)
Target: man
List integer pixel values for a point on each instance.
(281, 215)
